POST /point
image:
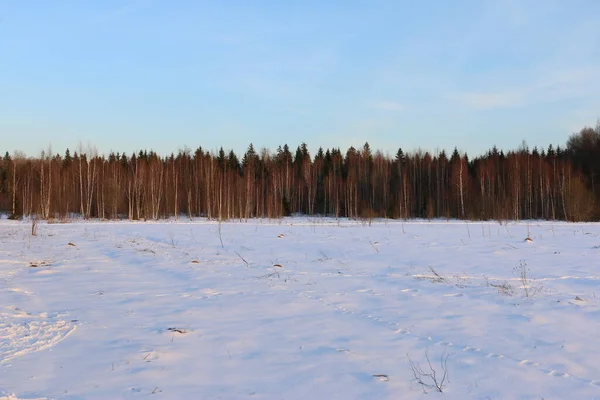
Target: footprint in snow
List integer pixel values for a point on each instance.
(20, 337)
(18, 290)
(529, 362)
(558, 373)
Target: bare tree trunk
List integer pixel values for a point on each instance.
(14, 188)
(175, 177)
(81, 198)
(461, 189)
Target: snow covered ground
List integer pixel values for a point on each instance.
(299, 309)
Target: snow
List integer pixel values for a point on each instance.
(299, 308)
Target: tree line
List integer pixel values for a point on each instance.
(555, 183)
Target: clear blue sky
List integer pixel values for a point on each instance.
(128, 74)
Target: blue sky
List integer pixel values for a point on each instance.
(128, 74)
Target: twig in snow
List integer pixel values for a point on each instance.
(172, 238)
(178, 330)
(382, 377)
(502, 288)
(34, 225)
(437, 277)
(242, 258)
(219, 232)
(372, 245)
(506, 226)
(271, 275)
(324, 257)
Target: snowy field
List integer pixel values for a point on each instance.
(300, 309)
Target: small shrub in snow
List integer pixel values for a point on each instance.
(432, 378)
(437, 278)
(528, 285)
(503, 288)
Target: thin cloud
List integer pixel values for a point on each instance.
(578, 83)
(490, 100)
(120, 12)
(388, 106)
